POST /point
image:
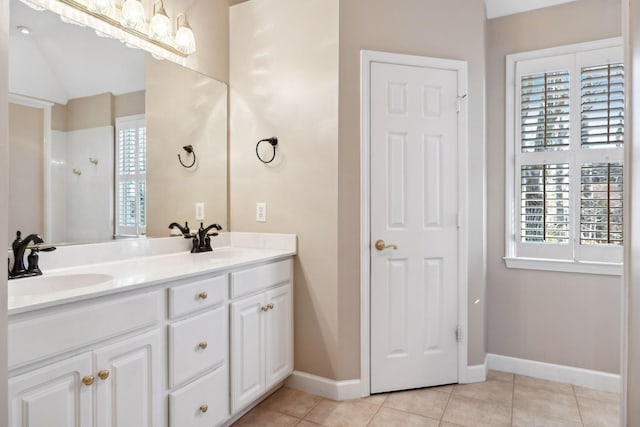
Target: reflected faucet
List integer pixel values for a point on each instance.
(184, 230)
(19, 247)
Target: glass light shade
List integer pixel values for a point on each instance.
(160, 27)
(100, 6)
(185, 40)
(132, 14)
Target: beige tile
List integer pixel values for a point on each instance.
(291, 402)
(375, 399)
(444, 388)
(541, 401)
(388, 417)
(500, 376)
(305, 423)
(547, 385)
(491, 390)
(260, 417)
(352, 413)
(598, 413)
(470, 412)
(446, 424)
(527, 419)
(596, 394)
(425, 402)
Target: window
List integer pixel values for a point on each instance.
(565, 136)
(131, 169)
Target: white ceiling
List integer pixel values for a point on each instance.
(496, 8)
(59, 61)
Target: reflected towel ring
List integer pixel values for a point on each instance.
(189, 150)
(273, 141)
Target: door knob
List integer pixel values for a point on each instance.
(381, 246)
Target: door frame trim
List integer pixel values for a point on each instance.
(368, 57)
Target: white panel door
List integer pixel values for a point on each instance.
(414, 205)
(129, 394)
(278, 335)
(52, 396)
(247, 351)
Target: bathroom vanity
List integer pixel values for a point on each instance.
(172, 339)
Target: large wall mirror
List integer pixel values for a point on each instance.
(95, 129)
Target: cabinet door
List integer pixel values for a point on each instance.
(247, 351)
(52, 396)
(130, 394)
(278, 335)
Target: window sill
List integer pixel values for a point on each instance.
(603, 268)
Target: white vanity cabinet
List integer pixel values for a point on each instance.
(199, 353)
(261, 331)
(191, 351)
(119, 383)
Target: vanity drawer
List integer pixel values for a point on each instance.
(200, 294)
(197, 344)
(203, 403)
(62, 330)
(258, 278)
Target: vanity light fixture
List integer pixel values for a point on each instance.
(160, 25)
(133, 14)
(129, 16)
(185, 40)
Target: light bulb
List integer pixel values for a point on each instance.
(132, 14)
(160, 26)
(100, 6)
(185, 40)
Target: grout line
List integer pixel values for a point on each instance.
(447, 404)
(378, 410)
(575, 397)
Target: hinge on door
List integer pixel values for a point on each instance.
(459, 334)
(459, 102)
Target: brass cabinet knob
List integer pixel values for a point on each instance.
(270, 307)
(381, 246)
(202, 295)
(88, 380)
(103, 375)
(264, 308)
(204, 408)
(203, 345)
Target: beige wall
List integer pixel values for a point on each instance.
(59, 117)
(90, 112)
(284, 79)
(562, 318)
(184, 107)
(26, 159)
(209, 20)
(632, 250)
(129, 104)
(453, 30)
(4, 197)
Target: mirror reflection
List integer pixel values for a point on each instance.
(95, 129)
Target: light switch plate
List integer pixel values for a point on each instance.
(261, 212)
(200, 211)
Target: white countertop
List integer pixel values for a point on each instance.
(138, 272)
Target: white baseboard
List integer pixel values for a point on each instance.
(475, 374)
(548, 371)
(320, 386)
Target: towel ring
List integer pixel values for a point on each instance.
(273, 141)
(189, 150)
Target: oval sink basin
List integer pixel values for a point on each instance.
(49, 284)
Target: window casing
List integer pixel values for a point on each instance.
(565, 135)
(131, 181)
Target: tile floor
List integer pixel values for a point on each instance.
(503, 400)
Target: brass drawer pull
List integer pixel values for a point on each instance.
(103, 375)
(270, 306)
(264, 308)
(203, 345)
(88, 380)
(204, 408)
(202, 295)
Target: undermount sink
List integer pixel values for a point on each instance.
(49, 284)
